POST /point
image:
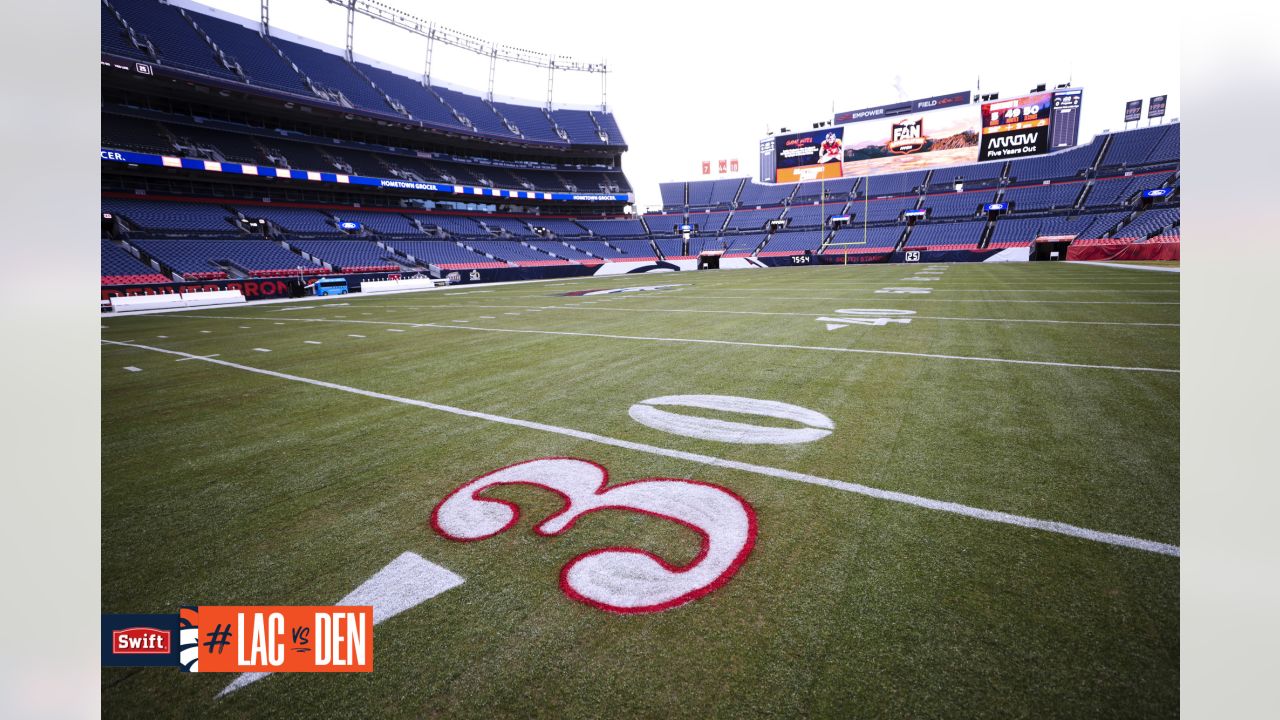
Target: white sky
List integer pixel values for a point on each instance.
(702, 81)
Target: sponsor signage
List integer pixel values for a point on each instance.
(1157, 192)
(1015, 128)
(133, 158)
(1155, 108)
(810, 155)
(1133, 111)
(903, 108)
(348, 225)
(238, 639)
(995, 207)
(913, 213)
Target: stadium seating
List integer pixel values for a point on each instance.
(708, 222)
(713, 193)
(664, 224)
(792, 243)
(335, 73)
(481, 114)
(1043, 197)
(1136, 147)
(1013, 232)
(810, 215)
(614, 228)
(173, 217)
(260, 62)
(120, 267)
(511, 225)
(744, 244)
(672, 195)
(883, 210)
(754, 195)
(669, 248)
(301, 221)
(177, 43)
(975, 175)
(1062, 165)
(579, 126)
(837, 191)
(348, 255)
(453, 224)
(1149, 222)
(855, 240)
(515, 252)
(946, 235)
(896, 184)
(198, 257)
(634, 249)
(134, 134)
(532, 122)
(443, 253)
(954, 205)
(751, 220)
(560, 226)
(385, 223)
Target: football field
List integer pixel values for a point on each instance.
(867, 491)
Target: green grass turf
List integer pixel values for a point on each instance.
(226, 487)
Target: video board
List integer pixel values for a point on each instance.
(1015, 128)
(939, 131)
(810, 155)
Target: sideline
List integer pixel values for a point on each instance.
(1123, 266)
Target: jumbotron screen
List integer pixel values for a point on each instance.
(933, 132)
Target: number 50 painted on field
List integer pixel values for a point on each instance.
(615, 579)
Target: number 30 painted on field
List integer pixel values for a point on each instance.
(616, 579)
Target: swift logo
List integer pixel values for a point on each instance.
(140, 641)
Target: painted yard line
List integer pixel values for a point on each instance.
(199, 358)
(934, 299)
(132, 368)
(312, 342)
(1152, 268)
(355, 336)
(657, 296)
(893, 496)
(800, 314)
(821, 348)
(261, 350)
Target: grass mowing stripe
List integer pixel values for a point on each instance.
(791, 314)
(913, 298)
(732, 342)
(928, 503)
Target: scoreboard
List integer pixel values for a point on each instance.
(1064, 124)
(941, 131)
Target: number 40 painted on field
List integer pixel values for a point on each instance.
(866, 316)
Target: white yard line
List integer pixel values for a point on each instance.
(1122, 266)
(893, 496)
(782, 346)
(778, 346)
(795, 314)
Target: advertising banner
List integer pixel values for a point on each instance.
(914, 141)
(1133, 111)
(1015, 128)
(810, 155)
(1155, 108)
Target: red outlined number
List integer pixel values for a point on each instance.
(616, 579)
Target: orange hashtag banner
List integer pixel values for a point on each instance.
(286, 638)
